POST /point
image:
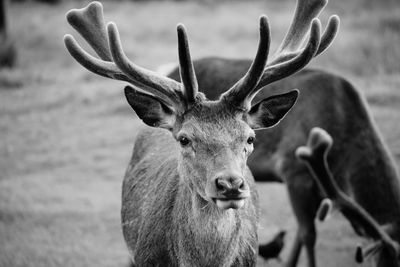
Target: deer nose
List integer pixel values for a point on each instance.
(230, 184)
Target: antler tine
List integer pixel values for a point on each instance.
(89, 23)
(113, 63)
(324, 209)
(137, 74)
(100, 67)
(289, 59)
(306, 11)
(186, 69)
(242, 90)
(326, 40)
(97, 66)
(315, 156)
(105, 68)
(329, 34)
(279, 71)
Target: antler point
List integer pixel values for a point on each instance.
(70, 14)
(316, 22)
(295, 92)
(67, 37)
(335, 18)
(264, 23)
(96, 3)
(181, 28)
(303, 153)
(359, 257)
(324, 209)
(263, 17)
(95, 6)
(112, 27)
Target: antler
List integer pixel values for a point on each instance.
(114, 64)
(186, 69)
(315, 156)
(288, 59)
(254, 74)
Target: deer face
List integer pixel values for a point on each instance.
(214, 147)
(215, 140)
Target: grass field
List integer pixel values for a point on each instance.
(66, 135)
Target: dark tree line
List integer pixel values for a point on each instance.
(8, 52)
(44, 1)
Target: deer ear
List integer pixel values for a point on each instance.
(150, 109)
(269, 111)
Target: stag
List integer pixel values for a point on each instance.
(359, 159)
(188, 196)
(314, 154)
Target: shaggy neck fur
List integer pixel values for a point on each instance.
(210, 236)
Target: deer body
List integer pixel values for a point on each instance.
(359, 159)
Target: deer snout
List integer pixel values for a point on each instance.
(231, 190)
(229, 185)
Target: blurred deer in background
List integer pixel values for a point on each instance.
(359, 159)
(315, 155)
(188, 196)
(8, 52)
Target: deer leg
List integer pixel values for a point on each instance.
(294, 252)
(304, 200)
(306, 235)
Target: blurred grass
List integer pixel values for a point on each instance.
(66, 135)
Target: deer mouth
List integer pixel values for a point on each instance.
(229, 203)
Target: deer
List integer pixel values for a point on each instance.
(188, 195)
(359, 159)
(314, 154)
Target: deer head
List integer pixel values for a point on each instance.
(215, 137)
(314, 154)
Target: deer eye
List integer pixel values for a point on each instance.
(250, 140)
(184, 141)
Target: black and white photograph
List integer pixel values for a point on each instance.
(199, 133)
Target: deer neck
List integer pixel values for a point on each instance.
(203, 213)
(213, 237)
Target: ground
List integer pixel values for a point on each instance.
(66, 135)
